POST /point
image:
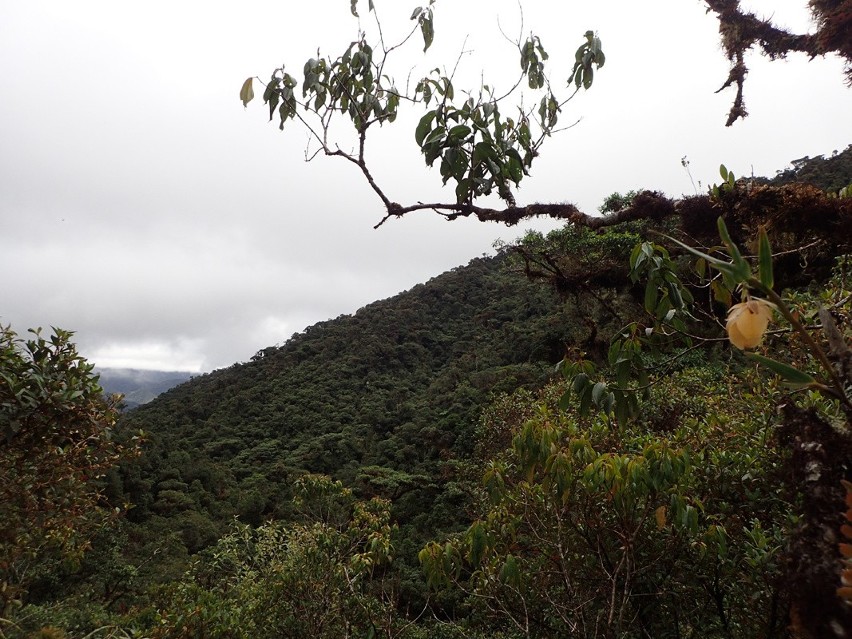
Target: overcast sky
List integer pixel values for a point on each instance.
(143, 208)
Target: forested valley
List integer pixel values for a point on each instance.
(557, 441)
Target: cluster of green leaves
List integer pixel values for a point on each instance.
(56, 442)
(641, 531)
(480, 149)
(554, 491)
(580, 253)
(352, 84)
(667, 302)
(425, 20)
(320, 577)
(349, 84)
(729, 182)
(666, 298)
(588, 56)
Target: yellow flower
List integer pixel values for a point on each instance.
(748, 321)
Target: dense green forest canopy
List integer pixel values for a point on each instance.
(828, 173)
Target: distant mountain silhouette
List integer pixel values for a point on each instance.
(140, 386)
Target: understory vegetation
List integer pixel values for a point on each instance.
(559, 441)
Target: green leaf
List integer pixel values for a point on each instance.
(482, 151)
(459, 132)
(793, 376)
(608, 403)
(284, 113)
(247, 92)
(597, 392)
(588, 77)
(721, 293)
(319, 101)
(273, 102)
(622, 373)
(437, 135)
(614, 352)
(738, 262)
(509, 573)
(674, 295)
(526, 55)
(650, 296)
(427, 29)
(270, 90)
(463, 190)
(581, 381)
(516, 169)
(423, 127)
(726, 268)
(634, 255)
(578, 76)
(585, 400)
(477, 542)
(764, 254)
(692, 519)
(448, 88)
(622, 410)
(565, 400)
(643, 379)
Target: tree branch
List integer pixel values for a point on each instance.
(646, 205)
(740, 30)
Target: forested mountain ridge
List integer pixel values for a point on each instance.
(384, 399)
(827, 173)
